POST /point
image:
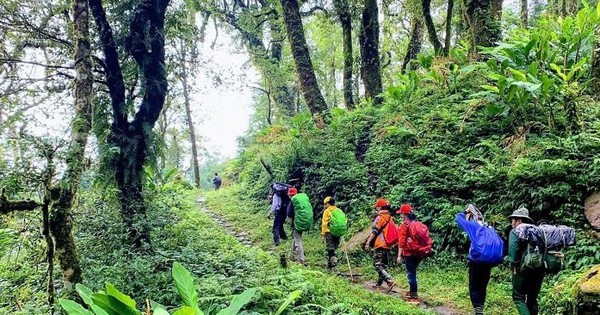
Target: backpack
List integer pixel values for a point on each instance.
(303, 212)
(533, 258)
(419, 242)
(390, 233)
(338, 225)
(487, 246)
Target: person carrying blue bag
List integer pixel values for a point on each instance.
(486, 251)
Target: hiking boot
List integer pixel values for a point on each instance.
(333, 261)
(413, 300)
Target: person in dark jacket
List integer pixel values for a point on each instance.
(278, 211)
(217, 181)
(527, 283)
(479, 273)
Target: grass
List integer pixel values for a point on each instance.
(442, 281)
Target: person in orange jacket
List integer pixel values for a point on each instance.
(377, 241)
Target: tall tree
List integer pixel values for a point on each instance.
(61, 221)
(482, 19)
(448, 39)
(370, 69)
(146, 43)
(524, 13)
(343, 12)
(433, 37)
(595, 70)
(304, 68)
(414, 44)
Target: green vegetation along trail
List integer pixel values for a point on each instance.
(244, 238)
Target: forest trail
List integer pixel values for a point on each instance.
(243, 237)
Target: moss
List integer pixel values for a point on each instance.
(589, 285)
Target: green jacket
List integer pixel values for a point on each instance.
(515, 249)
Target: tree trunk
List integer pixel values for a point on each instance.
(414, 45)
(61, 219)
(343, 11)
(146, 43)
(448, 39)
(188, 113)
(369, 49)
(483, 19)
(524, 13)
(433, 37)
(304, 68)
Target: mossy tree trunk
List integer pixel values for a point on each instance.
(343, 12)
(596, 64)
(524, 13)
(414, 45)
(304, 68)
(433, 37)
(61, 218)
(146, 43)
(483, 19)
(448, 39)
(370, 69)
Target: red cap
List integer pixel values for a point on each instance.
(381, 202)
(292, 191)
(405, 209)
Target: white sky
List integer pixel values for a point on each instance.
(223, 111)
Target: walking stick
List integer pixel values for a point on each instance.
(347, 259)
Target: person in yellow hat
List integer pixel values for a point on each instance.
(331, 242)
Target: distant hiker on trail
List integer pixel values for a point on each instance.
(384, 235)
(414, 244)
(278, 211)
(217, 181)
(333, 227)
(527, 267)
(485, 252)
(300, 211)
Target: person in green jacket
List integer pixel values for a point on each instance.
(527, 283)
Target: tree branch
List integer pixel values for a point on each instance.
(8, 206)
(312, 11)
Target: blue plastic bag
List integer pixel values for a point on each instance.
(486, 246)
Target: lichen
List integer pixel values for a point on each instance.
(589, 285)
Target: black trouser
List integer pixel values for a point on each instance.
(278, 230)
(381, 263)
(479, 277)
(331, 243)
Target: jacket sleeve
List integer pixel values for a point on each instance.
(514, 254)
(276, 204)
(290, 210)
(376, 225)
(470, 227)
(403, 235)
(325, 221)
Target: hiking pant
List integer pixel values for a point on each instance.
(331, 243)
(381, 262)
(412, 262)
(479, 277)
(278, 230)
(297, 245)
(526, 287)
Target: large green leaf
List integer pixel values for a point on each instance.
(113, 291)
(112, 305)
(238, 302)
(185, 285)
(291, 298)
(86, 295)
(186, 310)
(73, 308)
(158, 309)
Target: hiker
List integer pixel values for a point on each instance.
(381, 240)
(300, 211)
(485, 252)
(414, 244)
(217, 181)
(333, 227)
(527, 282)
(278, 211)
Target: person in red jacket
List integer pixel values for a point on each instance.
(377, 241)
(405, 255)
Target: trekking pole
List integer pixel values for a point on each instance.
(347, 259)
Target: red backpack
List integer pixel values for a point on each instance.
(391, 234)
(419, 242)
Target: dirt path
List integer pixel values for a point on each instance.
(357, 280)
